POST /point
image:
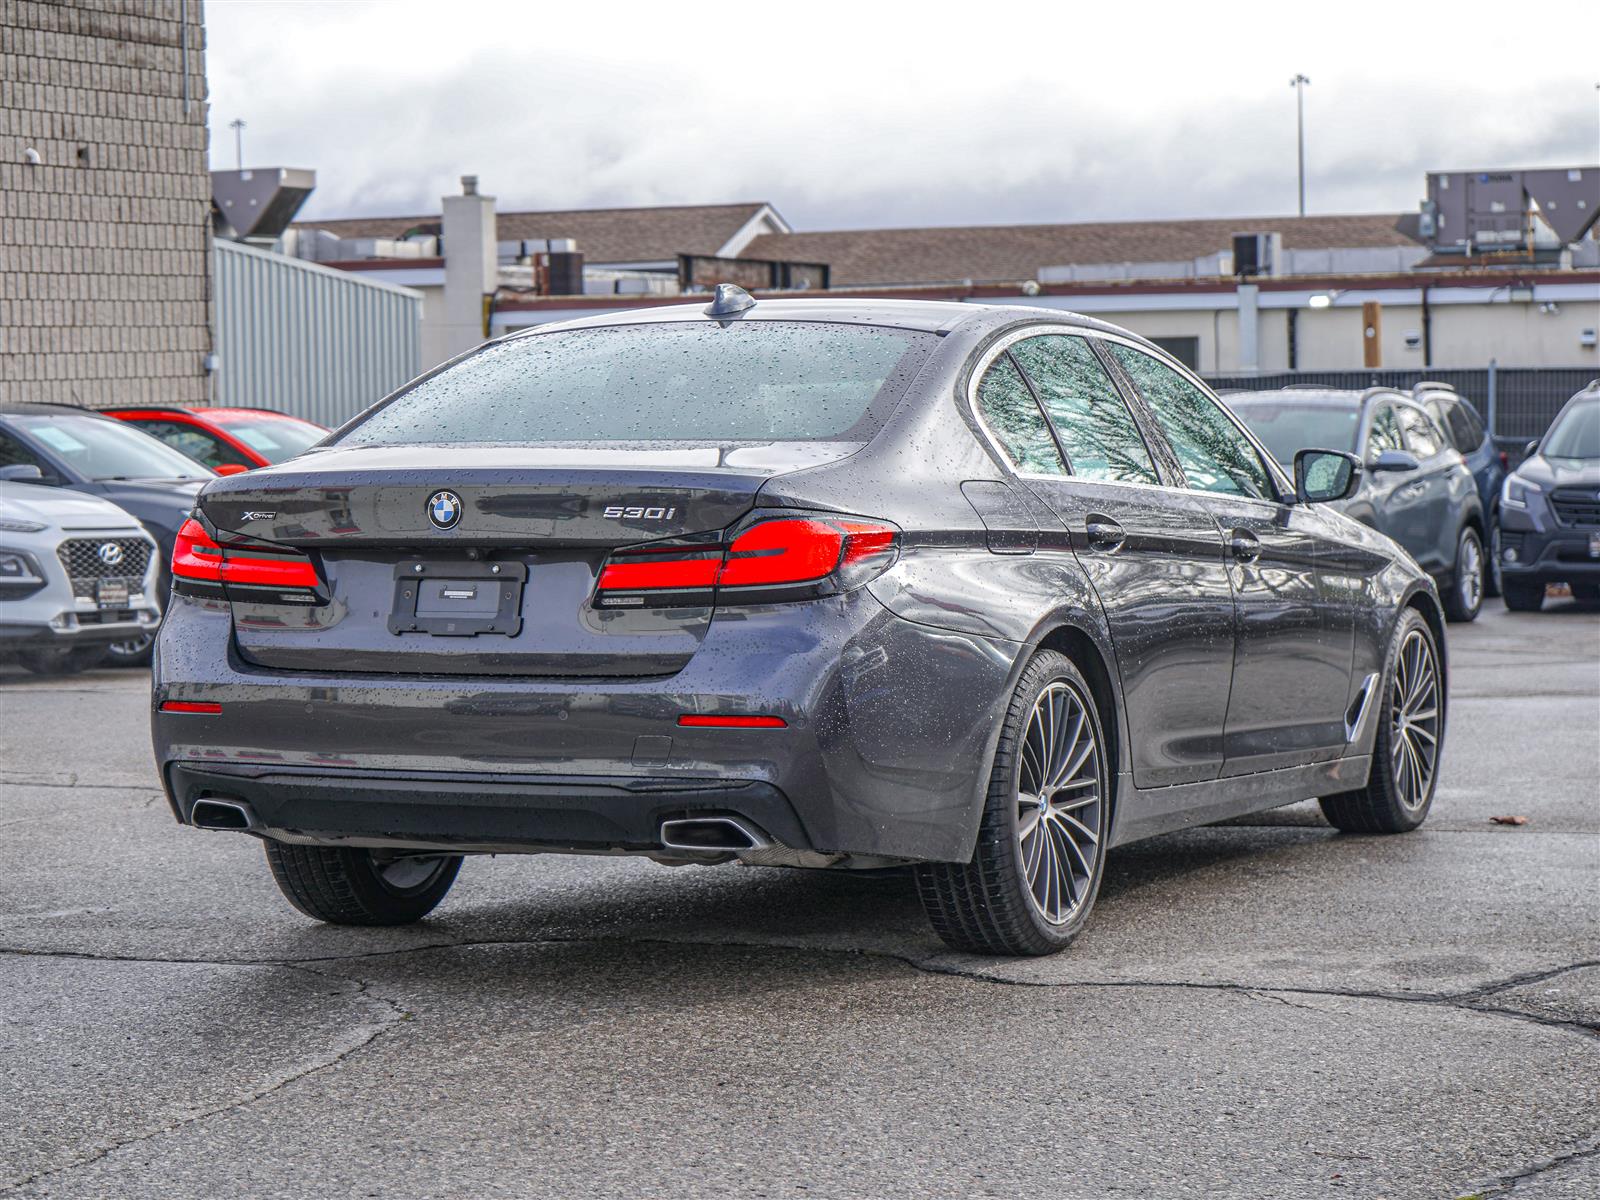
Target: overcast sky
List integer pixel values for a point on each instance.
(867, 114)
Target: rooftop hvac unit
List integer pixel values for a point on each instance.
(1257, 254)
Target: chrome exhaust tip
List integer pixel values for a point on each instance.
(211, 813)
(712, 835)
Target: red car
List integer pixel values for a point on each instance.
(228, 440)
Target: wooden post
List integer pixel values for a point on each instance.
(1371, 333)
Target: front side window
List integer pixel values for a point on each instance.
(1094, 425)
(14, 454)
(1214, 454)
(1423, 437)
(1008, 409)
(1385, 434)
(690, 381)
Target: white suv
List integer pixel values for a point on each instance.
(76, 574)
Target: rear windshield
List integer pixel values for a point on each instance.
(746, 381)
(1288, 428)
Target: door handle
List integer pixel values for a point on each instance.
(1245, 545)
(1104, 534)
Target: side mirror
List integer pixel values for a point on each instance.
(1531, 449)
(1321, 476)
(231, 469)
(21, 473)
(1395, 460)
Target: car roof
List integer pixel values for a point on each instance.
(1331, 398)
(930, 316)
(201, 411)
(41, 408)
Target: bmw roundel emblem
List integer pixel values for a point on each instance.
(444, 509)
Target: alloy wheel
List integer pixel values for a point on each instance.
(1470, 574)
(1414, 720)
(408, 872)
(1060, 807)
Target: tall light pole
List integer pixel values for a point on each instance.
(237, 125)
(1298, 83)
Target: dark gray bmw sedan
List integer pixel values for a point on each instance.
(815, 583)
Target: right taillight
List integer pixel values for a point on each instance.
(774, 559)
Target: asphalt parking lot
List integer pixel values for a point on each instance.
(1265, 1008)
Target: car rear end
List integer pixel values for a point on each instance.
(541, 601)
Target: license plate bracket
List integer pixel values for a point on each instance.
(111, 593)
(458, 599)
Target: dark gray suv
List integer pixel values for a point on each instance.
(810, 583)
(1418, 488)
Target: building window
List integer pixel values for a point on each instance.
(1185, 349)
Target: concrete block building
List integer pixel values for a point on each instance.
(104, 202)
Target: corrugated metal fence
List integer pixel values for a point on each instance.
(1517, 403)
(309, 340)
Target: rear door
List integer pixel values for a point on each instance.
(1293, 636)
(1153, 556)
(1430, 496)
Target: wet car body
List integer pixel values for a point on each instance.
(1233, 643)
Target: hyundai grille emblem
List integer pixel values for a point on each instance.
(110, 553)
(444, 509)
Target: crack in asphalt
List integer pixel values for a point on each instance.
(360, 990)
(1500, 1185)
(363, 988)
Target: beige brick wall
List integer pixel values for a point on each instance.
(105, 245)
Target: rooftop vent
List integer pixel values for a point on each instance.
(257, 205)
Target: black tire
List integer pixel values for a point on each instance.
(1380, 805)
(345, 886)
(61, 661)
(986, 906)
(1521, 596)
(1494, 575)
(1463, 599)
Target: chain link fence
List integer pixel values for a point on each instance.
(1516, 403)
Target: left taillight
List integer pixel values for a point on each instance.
(773, 559)
(266, 574)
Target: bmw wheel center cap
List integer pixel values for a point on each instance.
(444, 509)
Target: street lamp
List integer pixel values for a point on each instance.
(237, 125)
(1298, 83)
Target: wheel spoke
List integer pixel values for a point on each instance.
(1027, 815)
(1074, 826)
(1060, 819)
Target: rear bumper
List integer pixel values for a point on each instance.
(889, 731)
(476, 812)
(19, 635)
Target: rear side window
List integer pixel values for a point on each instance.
(697, 381)
(194, 442)
(1214, 454)
(1465, 429)
(1094, 425)
(1008, 409)
(1423, 437)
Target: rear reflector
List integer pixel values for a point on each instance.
(694, 721)
(191, 706)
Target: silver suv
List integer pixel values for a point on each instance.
(76, 574)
